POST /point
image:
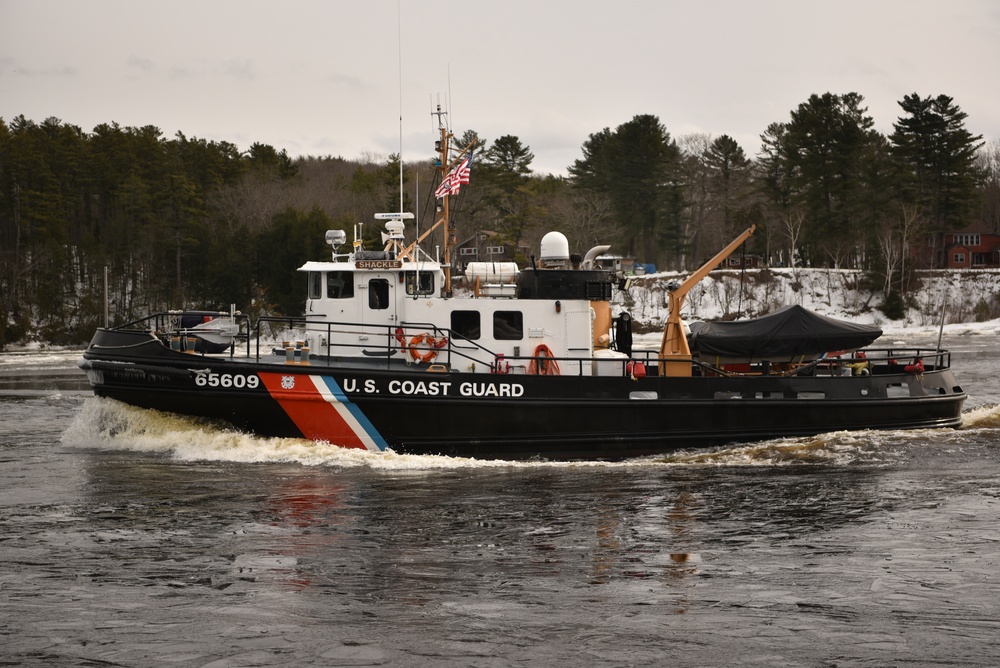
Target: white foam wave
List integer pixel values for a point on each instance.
(835, 448)
(110, 425)
(983, 417)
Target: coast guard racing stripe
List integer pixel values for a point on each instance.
(321, 410)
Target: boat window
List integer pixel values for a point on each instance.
(643, 394)
(378, 293)
(508, 326)
(466, 324)
(315, 285)
(769, 395)
(339, 284)
(426, 283)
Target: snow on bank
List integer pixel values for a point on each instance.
(971, 298)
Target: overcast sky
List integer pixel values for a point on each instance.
(333, 77)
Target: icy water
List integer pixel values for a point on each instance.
(130, 538)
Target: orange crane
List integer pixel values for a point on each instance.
(674, 348)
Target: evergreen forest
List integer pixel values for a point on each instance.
(187, 223)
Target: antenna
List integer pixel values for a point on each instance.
(399, 53)
(440, 116)
(416, 237)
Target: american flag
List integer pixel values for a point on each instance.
(454, 180)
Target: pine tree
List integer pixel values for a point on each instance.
(729, 176)
(638, 167)
(937, 157)
(505, 183)
(826, 140)
(813, 170)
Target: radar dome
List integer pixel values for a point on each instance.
(555, 248)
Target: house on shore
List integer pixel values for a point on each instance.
(973, 247)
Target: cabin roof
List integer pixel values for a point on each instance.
(407, 265)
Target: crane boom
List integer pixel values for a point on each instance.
(674, 345)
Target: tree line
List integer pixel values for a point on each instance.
(184, 222)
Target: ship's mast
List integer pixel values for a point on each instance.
(442, 214)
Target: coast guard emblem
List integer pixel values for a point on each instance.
(287, 382)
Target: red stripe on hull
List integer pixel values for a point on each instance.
(315, 417)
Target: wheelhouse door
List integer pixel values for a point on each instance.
(378, 312)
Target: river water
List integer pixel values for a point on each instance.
(131, 538)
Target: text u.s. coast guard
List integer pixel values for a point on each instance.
(434, 388)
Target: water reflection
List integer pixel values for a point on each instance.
(411, 538)
(401, 535)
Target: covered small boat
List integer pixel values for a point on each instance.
(788, 332)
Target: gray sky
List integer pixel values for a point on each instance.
(333, 77)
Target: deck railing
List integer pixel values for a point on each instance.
(426, 346)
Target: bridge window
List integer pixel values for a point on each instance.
(315, 285)
(339, 284)
(508, 325)
(466, 324)
(426, 283)
(378, 293)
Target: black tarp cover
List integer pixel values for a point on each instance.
(791, 331)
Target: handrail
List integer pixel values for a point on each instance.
(159, 325)
(383, 343)
(460, 348)
(387, 340)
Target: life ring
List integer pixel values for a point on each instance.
(540, 364)
(433, 345)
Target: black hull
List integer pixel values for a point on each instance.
(415, 411)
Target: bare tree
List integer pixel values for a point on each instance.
(792, 222)
(585, 218)
(697, 192)
(911, 226)
(252, 201)
(885, 237)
